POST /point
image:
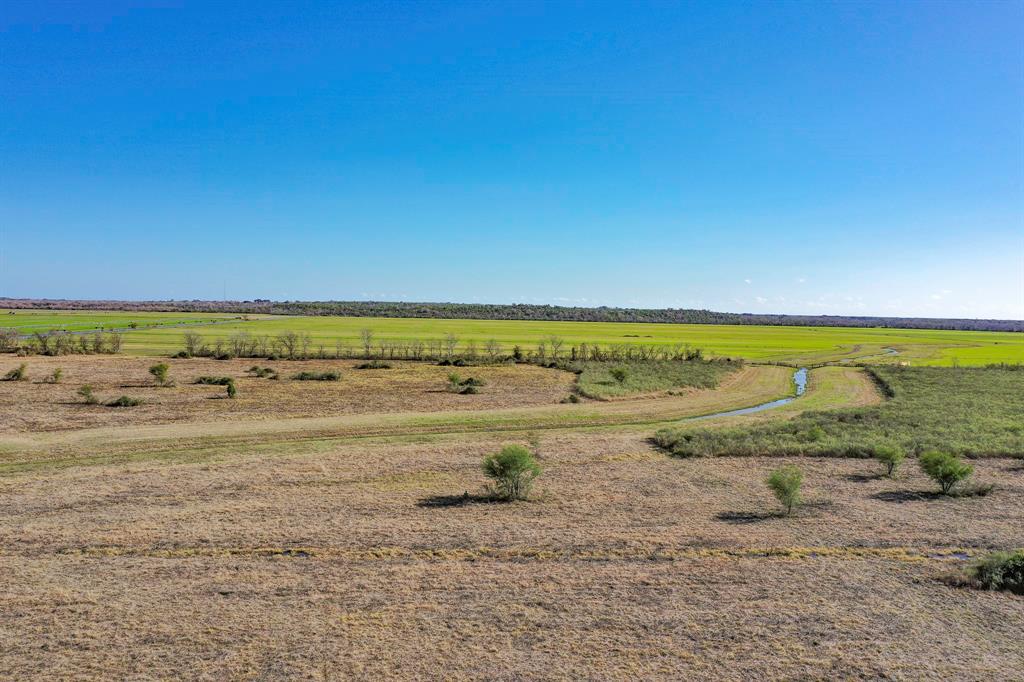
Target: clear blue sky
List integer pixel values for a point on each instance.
(848, 158)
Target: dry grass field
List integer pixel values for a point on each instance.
(337, 530)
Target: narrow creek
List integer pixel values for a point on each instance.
(799, 380)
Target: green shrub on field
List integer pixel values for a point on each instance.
(55, 376)
(973, 412)
(86, 392)
(890, 456)
(231, 390)
(123, 401)
(785, 483)
(316, 376)
(1000, 571)
(513, 471)
(607, 379)
(159, 372)
(213, 381)
(19, 373)
(945, 469)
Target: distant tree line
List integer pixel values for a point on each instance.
(517, 311)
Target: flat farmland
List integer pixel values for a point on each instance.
(795, 345)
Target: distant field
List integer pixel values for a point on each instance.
(780, 344)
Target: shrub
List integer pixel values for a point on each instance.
(55, 376)
(87, 395)
(785, 483)
(214, 381)
(232, 391)
(891, 457)
(620, 374)
(1000, 571)
(159, 373)
(373, 364)
(945, 469)
(19, 373)
(316, 376)
(124, 401)
(513, 471)
(267, 372)
(469, 390)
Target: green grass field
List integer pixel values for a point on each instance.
(798, 345)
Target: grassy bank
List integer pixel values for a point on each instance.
(598, 379)
(971, 411)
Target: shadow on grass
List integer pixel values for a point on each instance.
(902, 496)
(864, 478)
(441, 501)
(739, 518)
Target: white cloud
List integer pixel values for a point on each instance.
(747, 281)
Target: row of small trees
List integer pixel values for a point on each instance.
(300, 345)
(58, 342)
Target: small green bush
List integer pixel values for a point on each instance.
(316, 376)
(785, 483)
(945, 469)
(891, 457)
(262, 372)
(232, 391)
(620, 374)
(19, 373)
(213, 381)
(513, 471)
(86, 393)
(55, 376)
(159, 372)
(124, 401)
(469, 390)
(1000, 571)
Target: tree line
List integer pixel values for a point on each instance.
(517, 311)
(291, 345)
(57, 342)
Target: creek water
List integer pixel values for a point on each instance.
(799, 380)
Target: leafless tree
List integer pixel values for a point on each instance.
(493, 349)
(556, 346)
(450, 342)
(289, 343)
(366, 336)
(193, 342)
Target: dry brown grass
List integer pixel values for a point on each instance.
(32, 406)
(359, 560)
(294, 553)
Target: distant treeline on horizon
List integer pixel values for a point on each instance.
(516, 311)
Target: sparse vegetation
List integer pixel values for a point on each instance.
(213, 381)
(945, 469)
(123, 401)
(316, 376)
(602, 380)
(87, 395)
(467, 386)
(19, 373)
(55, 376)
(232, 390)
(159, 372)
(1000, 571)
(785, 483)
(513, 471)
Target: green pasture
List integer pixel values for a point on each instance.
(798, 345)
(29, 321)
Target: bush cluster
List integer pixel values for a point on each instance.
(316, 376)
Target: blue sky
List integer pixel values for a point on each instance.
(848, 158)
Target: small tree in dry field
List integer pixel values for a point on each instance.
(513, 471)
(230, 386)
(159, 372)
(785, 482)
(890, 456)
(55, 376)
(945, 469)
(493, 349)
(193, 342)
(450, 342)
